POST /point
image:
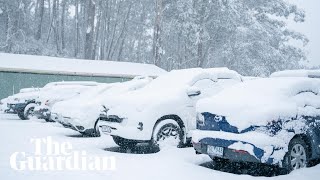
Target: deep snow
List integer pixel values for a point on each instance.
(170, 163)
(258, 102)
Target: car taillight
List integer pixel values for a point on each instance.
(240, 151)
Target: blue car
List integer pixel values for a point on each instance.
(274, 121)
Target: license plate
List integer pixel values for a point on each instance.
(106, 129)
(215, 151)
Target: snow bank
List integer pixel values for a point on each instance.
(43, 64)
(261, 101)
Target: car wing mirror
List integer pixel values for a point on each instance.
(192, 92)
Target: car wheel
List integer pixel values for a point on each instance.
(29, 111)
(167, 132)
(124, 143)
(297, 156)
(21, 115)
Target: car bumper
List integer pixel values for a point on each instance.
(236, 149)
(231, 154)
(123, 131)
(68, 122)
(42, 113)
(18, 107)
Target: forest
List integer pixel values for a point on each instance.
(249, 36)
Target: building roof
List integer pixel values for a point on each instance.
(53, 65)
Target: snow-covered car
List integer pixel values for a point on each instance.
(273, 121)
(297, 73)
(4, 105)
(56, 92)
(163, 112)
(17, 102)
(82, 113)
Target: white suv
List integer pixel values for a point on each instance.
(163, 112)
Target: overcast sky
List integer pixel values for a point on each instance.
(311, 28)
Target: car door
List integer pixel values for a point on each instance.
(311, 116)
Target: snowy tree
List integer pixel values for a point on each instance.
(250, 36)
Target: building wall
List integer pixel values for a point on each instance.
(12, 82)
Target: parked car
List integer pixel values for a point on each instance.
(16, 103)
(274, 121)
(56, 92)
(82, 113)
(163, 112)
(4, 105)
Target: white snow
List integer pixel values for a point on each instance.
(44, 64)
(167, 95)
(261, 101)
(85, 109)
(166, 165)
(297, 73)
(52, 94)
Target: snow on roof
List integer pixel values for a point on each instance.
(65, 83)
(297, 73)
(53, 65)
(260, 101)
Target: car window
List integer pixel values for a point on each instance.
(206, 86)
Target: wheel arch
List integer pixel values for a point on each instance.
(175, 118)
(308, 142)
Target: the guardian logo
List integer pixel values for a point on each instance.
(55, 156)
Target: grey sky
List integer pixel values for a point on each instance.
(311, 28)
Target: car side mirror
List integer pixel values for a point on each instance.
(192, 92)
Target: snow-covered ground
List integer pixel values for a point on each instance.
(169, 163)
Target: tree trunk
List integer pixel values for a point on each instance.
(90, 30)
(39, 32)
(63, 16)
(77, 47)
(157, 33)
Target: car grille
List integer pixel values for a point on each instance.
(114, 119)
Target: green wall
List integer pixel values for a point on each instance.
(12, 82)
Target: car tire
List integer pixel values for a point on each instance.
(21, 115)
(297, 156)
(124, 143)
(166, 129)
(28, 110)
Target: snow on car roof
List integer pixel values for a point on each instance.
(260, 101)
(177, 78)
(297, 73)
(53, 65)
(27, 90)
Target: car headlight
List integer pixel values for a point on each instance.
(200, 119)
